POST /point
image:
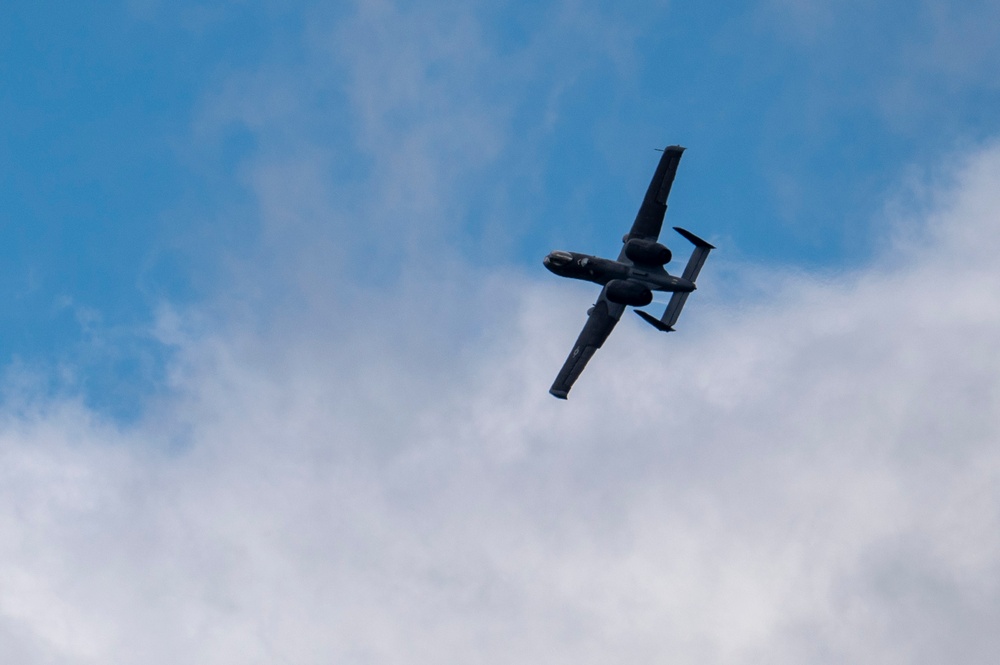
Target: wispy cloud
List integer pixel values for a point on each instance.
(348, 470)
(808, 477)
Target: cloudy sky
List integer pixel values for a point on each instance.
(276, 338)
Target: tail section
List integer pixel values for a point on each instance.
(676, 304)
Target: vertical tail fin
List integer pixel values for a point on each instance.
(698, 256)
(676, 304)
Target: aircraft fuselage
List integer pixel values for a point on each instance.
(601, 271)
(631, 279)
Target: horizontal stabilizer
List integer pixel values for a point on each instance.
(673, 310)
(677, 300)
(698, 256)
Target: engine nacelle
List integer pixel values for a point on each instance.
(628, 292)
(647, 252)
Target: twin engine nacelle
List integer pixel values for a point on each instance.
(647, 252)
(628, 292)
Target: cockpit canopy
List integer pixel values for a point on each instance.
(559, 259)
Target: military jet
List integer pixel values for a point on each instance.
(632, 278)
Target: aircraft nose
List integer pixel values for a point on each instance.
(557, 259)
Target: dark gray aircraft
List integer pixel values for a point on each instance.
(632, 278)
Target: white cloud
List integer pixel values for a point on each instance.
(375, 473)
(809, 478)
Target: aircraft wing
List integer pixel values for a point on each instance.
(648, 222)
(600, 322)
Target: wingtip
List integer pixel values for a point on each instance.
(559, 394)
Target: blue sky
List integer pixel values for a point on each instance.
(277, 338)
(123, 187)
(800, 118)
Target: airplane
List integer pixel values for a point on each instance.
(632, 278)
